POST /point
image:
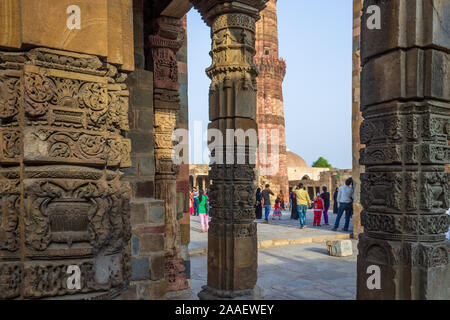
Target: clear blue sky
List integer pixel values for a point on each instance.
(315, 39)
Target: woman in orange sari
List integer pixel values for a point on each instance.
(281, 197)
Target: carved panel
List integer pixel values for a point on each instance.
(62, 120)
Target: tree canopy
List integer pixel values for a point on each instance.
(322, 163)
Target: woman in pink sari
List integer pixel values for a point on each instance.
(191, 203)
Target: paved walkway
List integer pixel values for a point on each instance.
(277, 233)
(302, 272)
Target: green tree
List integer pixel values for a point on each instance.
(322, 163)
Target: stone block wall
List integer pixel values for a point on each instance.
(147, 213)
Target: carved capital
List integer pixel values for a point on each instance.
(210, 9)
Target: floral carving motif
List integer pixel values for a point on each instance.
(10, 280)
(10, 144)
(9, 97)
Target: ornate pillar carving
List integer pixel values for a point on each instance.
(62, 120)
(165, 41)
(405, 189)
(232, 244)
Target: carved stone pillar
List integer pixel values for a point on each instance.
(166, 40)
(62, 119)
(405, 189)
(232, 244)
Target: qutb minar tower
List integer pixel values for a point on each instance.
(270, 111)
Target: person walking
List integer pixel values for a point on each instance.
(196, 202)
(335, 202)
(319, 206)
(303, 202)
(277, 210)
(203, 210)
(258, 204)
(326, 201)
(293, 203)
(267, 207)
(345, 200)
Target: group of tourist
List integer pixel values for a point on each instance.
(263, 200)
(300, 202)
(199, 206)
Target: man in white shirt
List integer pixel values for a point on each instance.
(345, 200)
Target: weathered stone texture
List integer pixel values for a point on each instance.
(63, 203)
(340, 248)
(405, 189)
(106, 27)
(147, 213)
(357, 118)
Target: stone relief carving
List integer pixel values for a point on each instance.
(72, 111)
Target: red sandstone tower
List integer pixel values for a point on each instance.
(270, 111)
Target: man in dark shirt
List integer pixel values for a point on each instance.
(267, 207)
(326, 199)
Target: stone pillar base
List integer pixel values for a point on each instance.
(208, 293)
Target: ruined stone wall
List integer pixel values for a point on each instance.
(356, 117)
(270, 110)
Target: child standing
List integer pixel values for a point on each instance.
(277, 211)
(318, 209)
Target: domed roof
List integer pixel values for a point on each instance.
(294, 160)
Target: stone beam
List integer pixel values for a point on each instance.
(177, 9)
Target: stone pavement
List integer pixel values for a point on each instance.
(302, 272)
(277, 233)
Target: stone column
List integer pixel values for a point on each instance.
(165, 41)
(232, 243)
(356, 117)
(62, 119)
(405, 190)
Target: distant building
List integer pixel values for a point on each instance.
(314, 179)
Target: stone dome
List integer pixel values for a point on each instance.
(294, 160)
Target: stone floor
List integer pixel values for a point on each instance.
(303, 272)
(294, 272)
(286, 229)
